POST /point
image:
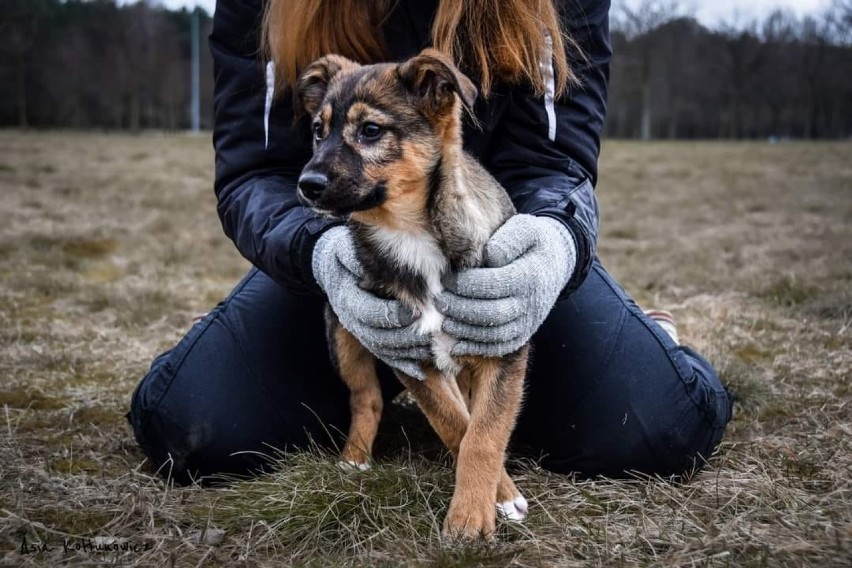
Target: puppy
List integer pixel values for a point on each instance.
(388, 157)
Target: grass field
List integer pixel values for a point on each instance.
(109, 245)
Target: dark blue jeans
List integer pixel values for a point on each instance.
(607, 390)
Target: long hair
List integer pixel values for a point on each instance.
(492, 40)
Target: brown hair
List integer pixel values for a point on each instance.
(492, 39)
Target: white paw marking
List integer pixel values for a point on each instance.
(442, 344)
(515, 510)
(430, 321)
(350, 465)
(442, 347)
(416, 249)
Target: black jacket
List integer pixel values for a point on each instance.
(544, 154)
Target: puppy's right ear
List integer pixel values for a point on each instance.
(313, 82)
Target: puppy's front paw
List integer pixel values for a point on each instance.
(469, 522)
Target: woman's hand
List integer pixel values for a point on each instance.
(494, 310)
(384, 327)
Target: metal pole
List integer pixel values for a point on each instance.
(196, 74)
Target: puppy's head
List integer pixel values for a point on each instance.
(379, 131)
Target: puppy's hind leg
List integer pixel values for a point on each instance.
(357, 368)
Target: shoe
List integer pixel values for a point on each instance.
(665, 320)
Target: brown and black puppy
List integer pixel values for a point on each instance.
(388, 156)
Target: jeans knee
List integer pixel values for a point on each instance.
(689, 440)
(601, 441)
(185, 447)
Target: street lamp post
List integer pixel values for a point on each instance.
(195, 106)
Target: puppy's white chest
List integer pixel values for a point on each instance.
(415, 252)
(419, 253)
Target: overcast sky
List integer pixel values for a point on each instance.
(710, 12)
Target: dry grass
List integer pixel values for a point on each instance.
(110, 244)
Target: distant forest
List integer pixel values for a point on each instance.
(95, 64)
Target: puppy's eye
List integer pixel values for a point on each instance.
(318, 131)
(371, 131)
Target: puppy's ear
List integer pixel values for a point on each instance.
(432, 77)
(313, 82)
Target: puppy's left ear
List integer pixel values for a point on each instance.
(432, 77)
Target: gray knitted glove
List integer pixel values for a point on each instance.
(494, 310)
(384, 327)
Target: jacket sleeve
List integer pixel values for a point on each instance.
(260, 152)
(545, 151)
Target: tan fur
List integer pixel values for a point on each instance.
(358, 370)
(404, 212)
(405, 207)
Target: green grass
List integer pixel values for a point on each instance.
(110, 246)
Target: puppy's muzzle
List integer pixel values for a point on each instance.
(312, 185)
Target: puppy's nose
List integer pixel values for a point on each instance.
(312, 184)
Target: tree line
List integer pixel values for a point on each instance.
(97, 64)
(780, 77)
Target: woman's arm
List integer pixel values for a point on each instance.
(259, 154)
(545, 152)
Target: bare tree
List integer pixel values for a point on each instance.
(19, 23)
(744, 55)
(839, 16)
(635, 22)
(776, 84)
